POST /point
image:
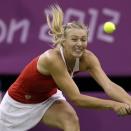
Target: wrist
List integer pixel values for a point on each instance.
(127, 100)
(111, 104)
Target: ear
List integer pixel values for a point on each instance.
(63, 42)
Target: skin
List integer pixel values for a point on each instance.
(75, 46)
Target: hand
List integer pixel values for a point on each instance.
(122, 109)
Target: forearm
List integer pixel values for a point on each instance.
(93, 102)
(117, 93)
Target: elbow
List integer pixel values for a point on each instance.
(76, 100)
(109, 89)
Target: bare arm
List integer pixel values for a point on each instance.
(65, 83)
(113, 90)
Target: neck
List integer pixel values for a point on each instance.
(70, 61)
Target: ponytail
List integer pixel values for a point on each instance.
(56, 25)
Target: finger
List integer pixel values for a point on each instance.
(122, 112)
(128, 109)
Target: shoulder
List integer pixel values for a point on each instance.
(48, 56)
(51, 56)
(89, 59)
(88, 56)
(50, 60)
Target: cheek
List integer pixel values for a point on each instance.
(70, 44)
(67, 43)
(84, 45)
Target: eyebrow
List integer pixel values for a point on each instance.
(85, 36)
(79, 36)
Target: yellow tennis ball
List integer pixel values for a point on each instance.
(109, 27)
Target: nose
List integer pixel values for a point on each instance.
(79, 43)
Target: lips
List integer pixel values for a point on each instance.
(78, 50)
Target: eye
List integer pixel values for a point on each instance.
(83, 40)
(74, 39)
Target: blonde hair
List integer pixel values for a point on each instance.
(57, 29)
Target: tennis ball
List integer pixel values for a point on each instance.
(109, 27)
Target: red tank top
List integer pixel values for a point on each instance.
(31, 86)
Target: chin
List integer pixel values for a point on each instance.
(77, 55)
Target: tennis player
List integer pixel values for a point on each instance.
(37, 93)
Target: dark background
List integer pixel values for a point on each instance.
(84, 83)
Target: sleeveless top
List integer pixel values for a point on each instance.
(33, 87)
(76, 66)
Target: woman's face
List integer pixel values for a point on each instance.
(75, 42)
